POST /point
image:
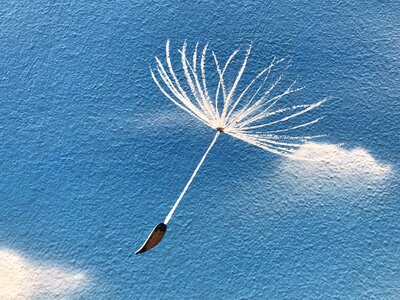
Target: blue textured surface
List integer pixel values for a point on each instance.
(93, 156)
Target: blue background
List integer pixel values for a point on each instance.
(93, 155)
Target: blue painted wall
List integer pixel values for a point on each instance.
(93, 155)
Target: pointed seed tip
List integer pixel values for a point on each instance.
(154, 238)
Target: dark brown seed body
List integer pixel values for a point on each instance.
(154, 238)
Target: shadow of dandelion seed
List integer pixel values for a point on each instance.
(250, 114)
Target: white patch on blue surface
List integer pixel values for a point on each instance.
(314, 160)
(23, 279)
(329, 172)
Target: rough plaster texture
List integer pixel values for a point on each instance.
(93, 156)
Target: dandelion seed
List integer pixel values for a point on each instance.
(249, 115)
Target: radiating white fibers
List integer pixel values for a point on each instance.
(251, 114)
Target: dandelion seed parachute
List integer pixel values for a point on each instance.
(250, 115)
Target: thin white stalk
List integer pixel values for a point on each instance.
(171, 212)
